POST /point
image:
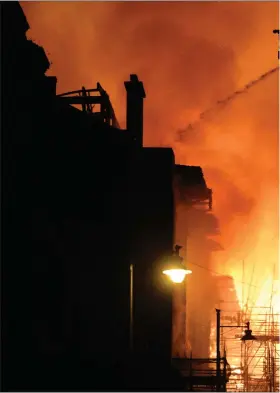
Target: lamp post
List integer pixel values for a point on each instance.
(247, 336)
(131, 300)
(175, 270)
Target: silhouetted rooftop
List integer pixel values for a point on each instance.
(12, 11)
(190, 175)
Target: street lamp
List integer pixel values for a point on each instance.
(175, 269)
(248, 333)
(247, 336)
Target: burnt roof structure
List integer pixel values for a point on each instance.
(191, 186)
(88, 103)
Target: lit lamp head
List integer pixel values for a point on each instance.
(248, 334)
(175, 269)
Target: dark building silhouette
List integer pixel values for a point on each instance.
(82, 200)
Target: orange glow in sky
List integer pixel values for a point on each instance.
(189, 55)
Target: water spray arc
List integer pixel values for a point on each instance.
(225, 101)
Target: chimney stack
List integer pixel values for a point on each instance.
(134, 109)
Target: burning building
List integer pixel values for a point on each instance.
(83, 200)
(195, 228)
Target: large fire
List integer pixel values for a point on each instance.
(190, 55)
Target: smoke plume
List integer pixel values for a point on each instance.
(189, 55)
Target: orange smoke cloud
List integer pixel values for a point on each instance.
(189, 56)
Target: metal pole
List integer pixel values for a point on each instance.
(131, 309)
(246, 376)
(185, 305)
(218, 370)
(225, 372)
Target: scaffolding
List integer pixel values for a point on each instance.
(200, 374)
(254, 364)
(260, 358)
